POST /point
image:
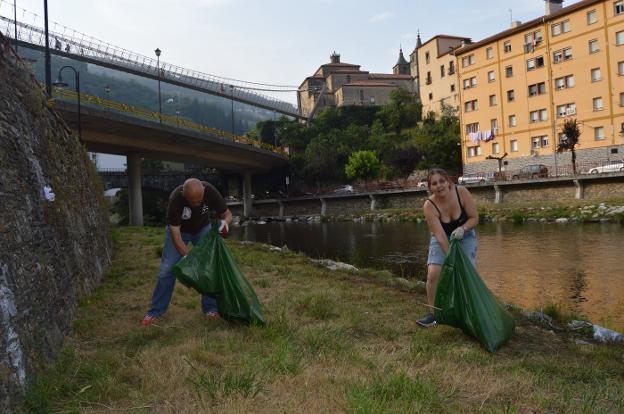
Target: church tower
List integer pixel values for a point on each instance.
(401, 67)
(414, 64)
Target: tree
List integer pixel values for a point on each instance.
(363, 165)
(571, 134)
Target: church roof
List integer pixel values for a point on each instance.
(401, 60)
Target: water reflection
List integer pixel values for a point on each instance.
(531, 265)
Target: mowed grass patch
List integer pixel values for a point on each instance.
(334, 342)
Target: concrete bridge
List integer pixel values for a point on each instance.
(114, 133)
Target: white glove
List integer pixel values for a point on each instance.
(458, 233)
(224, 228)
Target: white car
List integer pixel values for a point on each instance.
(346, 189)
(477, 178)
(611, 166)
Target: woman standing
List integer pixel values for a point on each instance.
(450, 212)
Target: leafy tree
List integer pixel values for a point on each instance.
(321, 160)
(572, 134)
(363, 165)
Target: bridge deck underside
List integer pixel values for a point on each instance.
(112, 133)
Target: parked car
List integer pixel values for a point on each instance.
(345, 189)
(531, 171)
(611, 166)
(477, 178)
(422, 184)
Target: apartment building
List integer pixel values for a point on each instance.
(437, 75)
(518, 86)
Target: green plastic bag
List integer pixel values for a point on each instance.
(210, 269)
(464, 301)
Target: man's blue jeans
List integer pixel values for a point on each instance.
(166, 279)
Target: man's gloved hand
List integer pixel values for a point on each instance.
(458, 233)
(224, 229)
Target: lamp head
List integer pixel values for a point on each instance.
(157, 51)
(59, 82)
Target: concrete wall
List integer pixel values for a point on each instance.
(594, 187)
(52, 252)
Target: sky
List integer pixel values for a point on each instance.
(277, 41)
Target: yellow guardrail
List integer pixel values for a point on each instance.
(164, 118)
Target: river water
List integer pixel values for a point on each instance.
(577, 266)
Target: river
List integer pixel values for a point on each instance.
(577, 266)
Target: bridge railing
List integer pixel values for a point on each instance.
(68, 41)
(143, 113)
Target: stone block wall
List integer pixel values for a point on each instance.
(52, 250)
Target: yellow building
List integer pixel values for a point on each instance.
(518, 86)
(437, 73)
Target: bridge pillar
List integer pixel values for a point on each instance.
(135, 198)
(498, 197)
(580, 189)
(323, 207)
(373, 202)
(247, 200)
(281, 209)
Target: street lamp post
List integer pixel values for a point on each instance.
(15, 22)
(48, 59)
(232, 99)
(157, 51)
(59, 82)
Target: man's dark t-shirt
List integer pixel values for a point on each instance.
(192, 219)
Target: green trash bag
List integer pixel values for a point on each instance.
(210, 269)
(464, 301)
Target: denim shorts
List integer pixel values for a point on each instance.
(468, 245)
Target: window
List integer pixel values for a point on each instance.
(441, 71)
(539, 115)
(593, 46)
(468, 60)
(510, 95)
(532, 40)
(539, 141)
(513, 144)
(453, 88)
(535, 63)
(491, 78)
(595, 75)
(451, 67)
(471, 128)
(562, 55)
(621, 68)
(618, 7)
(597, 103)
(493, 101)
(470, 82)
(489, 53)
(561, 27)
(537, 89)
(599, 133)
(621, 98)
(430, 96)
(512, 120)
(509, 71)
(474, 151)
(494, 124)
(428, 80)
(564, 82)
(471, 106)
(592, 17)
(507, 46)
(426, 57)
(566, 109)
(619, 38)
(495, 148)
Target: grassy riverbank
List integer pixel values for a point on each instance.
(583, 211)
(334, 342)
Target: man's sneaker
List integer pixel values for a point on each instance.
(212, 315)
(427, 321)
(148, 319)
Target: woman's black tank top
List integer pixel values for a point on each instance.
(453, 224)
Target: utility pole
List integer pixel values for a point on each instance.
(48, 60)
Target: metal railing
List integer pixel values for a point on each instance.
(143, 113)
(69, 42)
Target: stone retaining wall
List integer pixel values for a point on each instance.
(53, 249)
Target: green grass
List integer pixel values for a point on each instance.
(334, 342)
